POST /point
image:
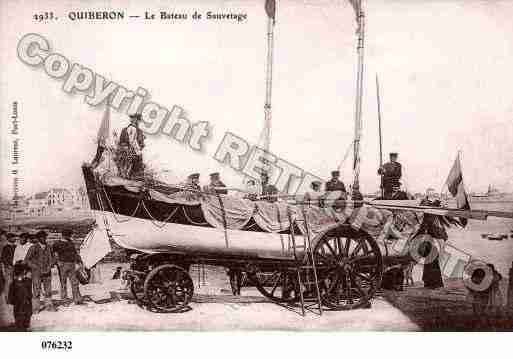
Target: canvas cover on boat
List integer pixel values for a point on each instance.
(230, 212)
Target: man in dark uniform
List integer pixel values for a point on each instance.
(67, 260)
(215, 183)
(391, 173)
(193, 182)
(269, 192)
(33, 260)
(334, 184)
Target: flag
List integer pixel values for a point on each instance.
(357, 6)
(455, 185)
(270, 8)
(103, 131)
(95, 247)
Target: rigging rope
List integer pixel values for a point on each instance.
(190, 220)
(156, 220)
(115, 213)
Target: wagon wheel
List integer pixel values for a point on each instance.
(280, 285)
(349, 266)
(137, 290)
(168, 288)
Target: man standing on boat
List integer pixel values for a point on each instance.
(391, 173)
(215, 184)
(335, 184)
(131, 144)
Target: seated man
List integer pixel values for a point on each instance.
(251, 190)
(313, 197)
(269, 191)
(215, 184)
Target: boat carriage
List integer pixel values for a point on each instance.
(290, 252)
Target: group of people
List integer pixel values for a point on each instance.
(26, 261)
(129, 160)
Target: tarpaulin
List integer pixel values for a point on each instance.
(222, 211)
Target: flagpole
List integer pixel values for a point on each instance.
(359, 95)
(268, 84)
(380, 136)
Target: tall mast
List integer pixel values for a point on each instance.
(270, 9)
(357, 4)
(379, 133)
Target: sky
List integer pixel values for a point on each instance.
(444, 69)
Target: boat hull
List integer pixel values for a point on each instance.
(151, 236)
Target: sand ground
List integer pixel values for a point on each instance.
(213, 308)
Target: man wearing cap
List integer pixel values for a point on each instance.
(47, 262)
(67, 259)
(269, 192)
(193, 182)
(391, 173)
(33, 260)
(131, 144)
(20, 252)
(313, 197)
(251, 191)
(335, 184)
(215, 184)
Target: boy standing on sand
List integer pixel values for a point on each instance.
(20, 296)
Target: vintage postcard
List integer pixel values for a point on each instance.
(254, 165)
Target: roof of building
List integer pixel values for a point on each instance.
(41, 195)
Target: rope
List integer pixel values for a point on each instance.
(224, 219)
(348, 150)
(115, 213)
(105, 220)
(156, 220)
(190, 220)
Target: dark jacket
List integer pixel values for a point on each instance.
(124, 140)
(33, 257)
(66, 252)
(392, 173)
(269, 193)
(335, 185)
(7, 254)
(219, 183)
(20, 296)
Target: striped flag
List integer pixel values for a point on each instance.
(455, 185)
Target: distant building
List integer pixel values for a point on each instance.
(51, 202)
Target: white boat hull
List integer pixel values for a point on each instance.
(160, 237)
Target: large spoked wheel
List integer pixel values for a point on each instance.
(350, 268)
(280, 286)
(168, 288)
(137, 290)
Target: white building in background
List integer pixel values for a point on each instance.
(57, 200)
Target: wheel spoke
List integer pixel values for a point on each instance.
(346, 246)
(276, 285)
(340, 249)
(356, 249)
(331, 249)
(357, 285)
